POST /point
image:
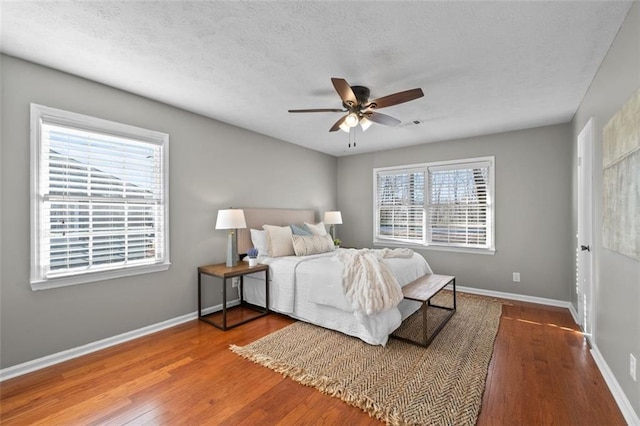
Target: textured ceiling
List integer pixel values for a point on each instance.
(485, 67)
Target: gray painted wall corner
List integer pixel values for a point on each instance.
(212, 165)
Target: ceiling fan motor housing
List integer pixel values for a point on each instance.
(362, 96)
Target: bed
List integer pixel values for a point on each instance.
(310, 288)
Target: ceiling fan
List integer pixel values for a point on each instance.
(355, 100)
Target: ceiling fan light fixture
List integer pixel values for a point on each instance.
(352, 120)
(355, 101)
(365, 123)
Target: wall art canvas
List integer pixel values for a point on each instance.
(621, 180)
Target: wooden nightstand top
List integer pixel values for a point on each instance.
(221, 270)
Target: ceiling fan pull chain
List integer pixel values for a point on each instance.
(354, 137)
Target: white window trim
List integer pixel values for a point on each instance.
(61, 117)
(384, 242)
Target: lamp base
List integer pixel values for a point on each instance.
(232, 248)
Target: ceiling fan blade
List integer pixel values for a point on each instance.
(396, 98)
(345, 91)
(318, 110)
(382, 119)
(338, 123)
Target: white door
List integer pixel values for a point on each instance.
(584, 250)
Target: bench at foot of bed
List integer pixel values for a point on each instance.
(422, 290)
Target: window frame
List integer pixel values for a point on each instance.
(42, 114)
(379, 240)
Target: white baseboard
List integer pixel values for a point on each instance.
(630, 416)
(574, 314)
(49, 360)
(514, 296)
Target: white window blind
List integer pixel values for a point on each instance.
(400, 210)
(458, 205)
(444, 204)
(100, 199)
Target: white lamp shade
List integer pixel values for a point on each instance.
(231, 219)
(365, 123)
(333, 218)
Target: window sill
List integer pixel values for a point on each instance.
(468, 250)
(97, 276)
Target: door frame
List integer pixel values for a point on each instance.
(585, 235)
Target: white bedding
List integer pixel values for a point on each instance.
(309, 288)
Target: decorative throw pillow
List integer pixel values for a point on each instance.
(313, 244)
(317, 229)
(300, 231)
(259, 241)
(279, 240)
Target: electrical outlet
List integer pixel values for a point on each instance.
(632, 367)
(235, 281)
(516, 277)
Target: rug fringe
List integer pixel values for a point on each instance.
(324, 384)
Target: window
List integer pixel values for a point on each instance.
(446, 205)
(99, 202)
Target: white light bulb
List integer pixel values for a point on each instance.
(352, 120)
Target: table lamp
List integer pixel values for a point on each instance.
(231, 219)
(333, 218)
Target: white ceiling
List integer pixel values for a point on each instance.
(485, 67)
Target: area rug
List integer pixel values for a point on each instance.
(400, 383)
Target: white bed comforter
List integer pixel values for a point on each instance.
(323, 274)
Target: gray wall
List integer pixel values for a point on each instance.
(212, 165)
(533, 209)
(617, 278)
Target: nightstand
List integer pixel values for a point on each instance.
(224, 272)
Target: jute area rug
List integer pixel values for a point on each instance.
(400, 383)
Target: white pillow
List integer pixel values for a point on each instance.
(259, 241)
(279, 240)
(318, 229)
(314, 244)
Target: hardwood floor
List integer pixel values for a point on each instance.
(541, 373)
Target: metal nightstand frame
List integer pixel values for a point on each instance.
(223, 272)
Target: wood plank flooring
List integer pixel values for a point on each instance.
(541, 373)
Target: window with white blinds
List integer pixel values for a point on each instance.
(445, 204)
(99, 199)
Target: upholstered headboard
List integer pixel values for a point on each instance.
(255, 218)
